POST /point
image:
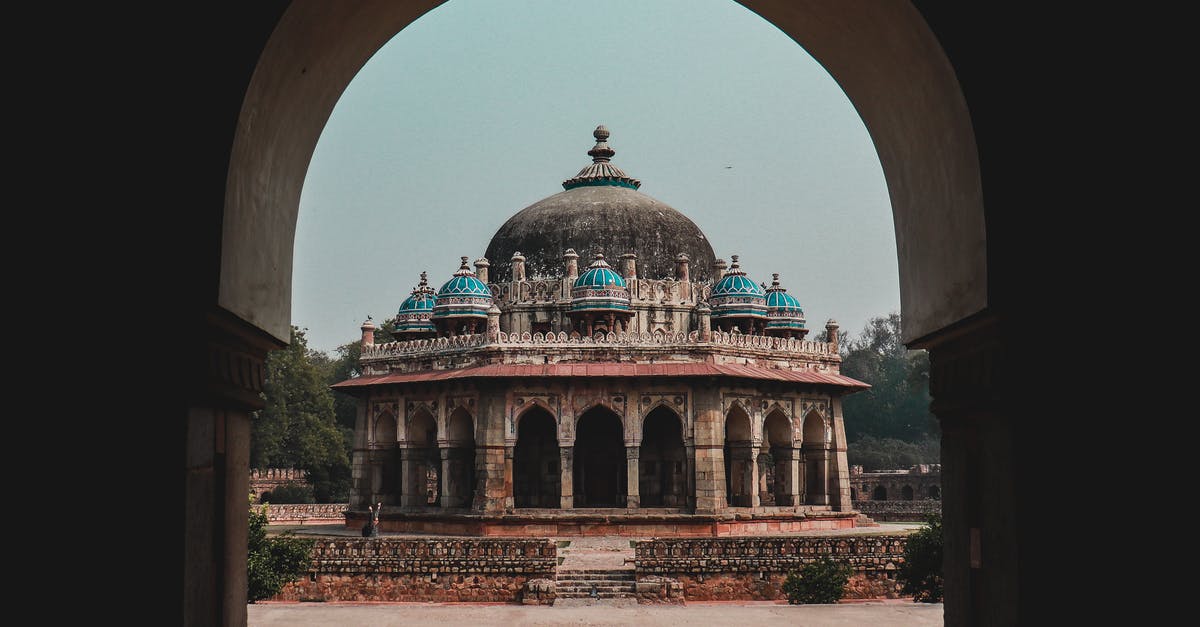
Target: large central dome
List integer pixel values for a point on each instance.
(600, 211)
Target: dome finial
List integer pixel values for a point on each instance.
(775, 279)
(464, 265)
(734, 265)
(601, 153)
(424, 279)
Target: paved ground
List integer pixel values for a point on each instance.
(874, 613)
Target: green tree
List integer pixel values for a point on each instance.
(298, 426)
(820, 581)
(897, 405)
(921, 572)
(272, 562)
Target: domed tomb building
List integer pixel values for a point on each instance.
(652, 390)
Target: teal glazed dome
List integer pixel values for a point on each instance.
(736, 296)
(463, 296)
(783, 310)
(599, 289)
(416, 312)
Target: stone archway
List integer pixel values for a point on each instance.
(535, 460)
(816, 460)
(741, 483)
(304, 53)
(421, 461)
(458, 460)
(662, 460)
(600, 468)
(779, 462)
(386, 475)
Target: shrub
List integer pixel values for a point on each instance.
(273, 562)
(289, 492)
(921, 571)
(822, 581)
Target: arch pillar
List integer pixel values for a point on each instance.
(632, 477)
(566, 468)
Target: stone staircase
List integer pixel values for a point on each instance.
(595, 583)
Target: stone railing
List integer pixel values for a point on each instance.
(423, 569)
(743, 569)
(899, 510)
(681, 340)
(307, 512)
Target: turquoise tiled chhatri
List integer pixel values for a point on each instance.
(464, 295)
(783, 310)
(599, 289)
(736, 296)
(416, 312)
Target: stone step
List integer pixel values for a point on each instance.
(600, 595)
(589, 577)
(599, 588)
(612, 571)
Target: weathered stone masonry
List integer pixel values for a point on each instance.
(423, 569)
(727, 569)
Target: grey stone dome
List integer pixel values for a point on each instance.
(600, 211)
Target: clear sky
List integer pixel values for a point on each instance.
(481, 108)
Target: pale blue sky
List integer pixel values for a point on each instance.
(481, 108)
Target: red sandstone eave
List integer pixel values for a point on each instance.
(612, 370)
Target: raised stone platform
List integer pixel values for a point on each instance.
(610, 522)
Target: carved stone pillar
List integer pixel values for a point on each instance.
(410, 493)
(508, 477)
(449, 496)
(755, 501)
(566, 471)
(632, 493)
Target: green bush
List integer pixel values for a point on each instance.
(921, 571)
(822, 581)
(289, 492)
(273, 562)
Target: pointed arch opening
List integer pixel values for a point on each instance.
(777, 462)
(816, 460)
(739, 458)
(385, 460)
(880, 493)
(458, 471)
(423, 464)
(935, 492)
(599, 466)
(662, 460)
(535, 460)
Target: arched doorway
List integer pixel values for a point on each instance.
(662, 476)
(880, 494)
(853, 494)
(458, 463)
(535, 460)
(935, 492)
(385, 461)
(422, 461)
(778, 462)
(888, 60)
(906, 493)
(816, 460)
(600, 468)
(740, 469)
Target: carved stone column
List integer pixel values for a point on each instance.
(449, 496)
(755, 500)
(632, 493)
(409, 494)
(566, 471)
(508, 477)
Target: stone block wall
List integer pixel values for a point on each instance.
(307, 513)
(744, 569)
(424, 569)
(899, 510)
